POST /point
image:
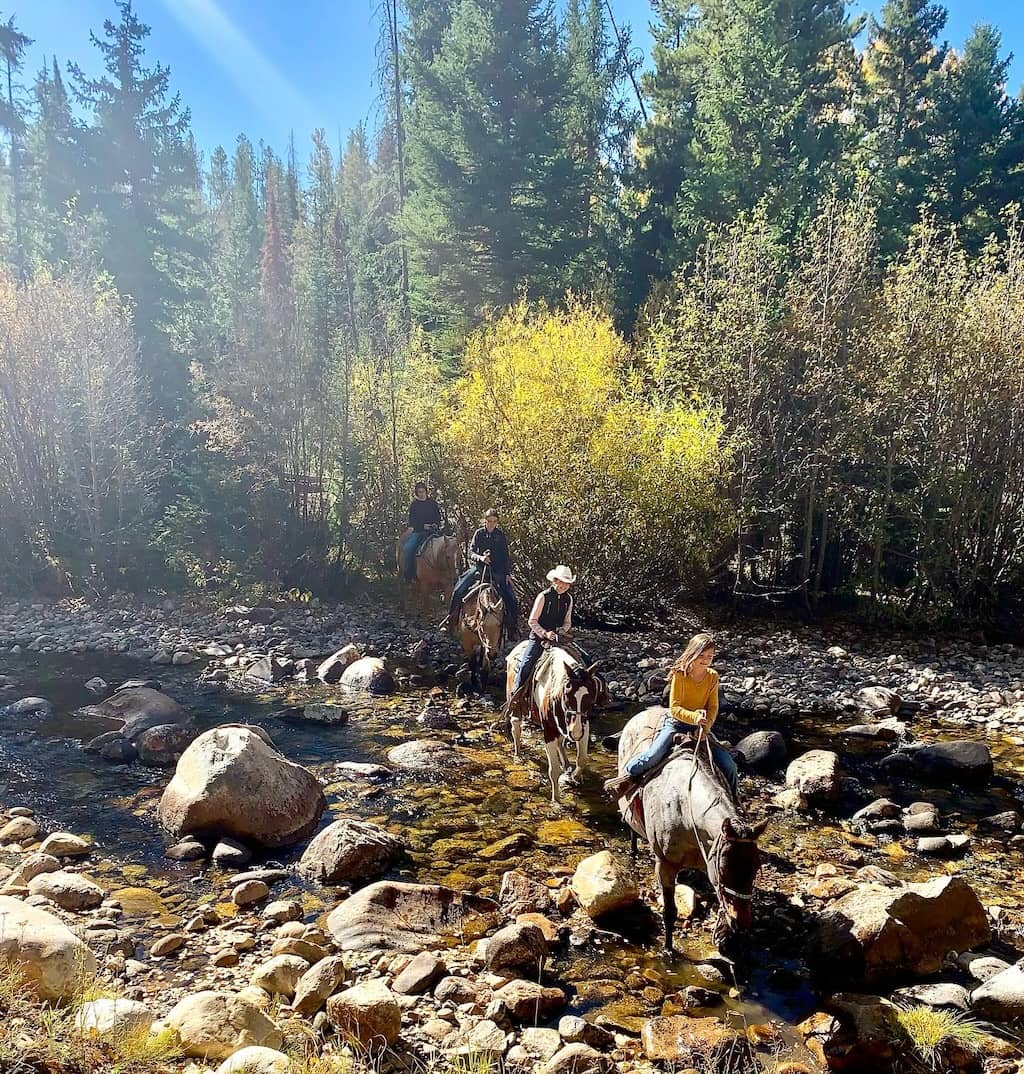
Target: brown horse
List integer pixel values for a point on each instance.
(562, 696)
(437, 564)
(691, 820)
(481, 619)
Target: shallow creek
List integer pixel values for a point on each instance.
(454, 829)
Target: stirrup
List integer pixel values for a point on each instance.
(620, 785)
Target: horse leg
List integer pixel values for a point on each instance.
(581, 751)
(634, 843)
(666, 876)
(517, 737)
(553, 750)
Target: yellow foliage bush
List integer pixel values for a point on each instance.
(551, 425)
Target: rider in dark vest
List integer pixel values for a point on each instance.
(424, 522)
(489, 561)
(550, 617)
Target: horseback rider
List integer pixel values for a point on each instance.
(489, 561)
(693, 709)
(424, 522)
(550, 621)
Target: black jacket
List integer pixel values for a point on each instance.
(494, 542)
(423, 513)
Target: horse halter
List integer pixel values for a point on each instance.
(570, 739)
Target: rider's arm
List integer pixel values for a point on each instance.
(712, 702)
(475, 553)
(676, 697)
(535, 628)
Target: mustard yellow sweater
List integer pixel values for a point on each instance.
(686, 696)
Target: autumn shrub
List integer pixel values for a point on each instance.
(549, 424)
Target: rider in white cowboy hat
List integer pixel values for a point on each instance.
(550, 616)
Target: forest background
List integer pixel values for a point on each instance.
(749, 323)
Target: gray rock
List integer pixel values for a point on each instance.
(966, 761)
(350, 850)
(762, 750)
(815, 775)
(1001, 997)
(29, 706)
(370, 674)
(942, 995)
(161, 746)
(518, 948)
(230, 854)
(331, 670)
(421, 974)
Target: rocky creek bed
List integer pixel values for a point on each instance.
(418, 887)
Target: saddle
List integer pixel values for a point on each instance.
(421, 547)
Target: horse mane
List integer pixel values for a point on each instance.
(552, 676)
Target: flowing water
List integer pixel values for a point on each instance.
(465, 830)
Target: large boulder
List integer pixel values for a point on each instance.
(215, 1025)
(231, 781)
(878, 933)
(368, 673)
(367, 1013)
(52, 960)
(350, 850)
(140, 708)
(964, 761)
(1001, 997)
(762, 750)
(815, 775)
(602, 884)
(405, 917)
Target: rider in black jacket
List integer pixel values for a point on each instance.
(489, 559)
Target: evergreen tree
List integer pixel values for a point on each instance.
(237, 258)
(973, 122)
(141, 179)
(902, 68)
(13, 44)
(486, 160)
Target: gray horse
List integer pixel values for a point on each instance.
(682, 804)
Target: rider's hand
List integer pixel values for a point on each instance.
(702, 719)
(552, 636)
(486, 557)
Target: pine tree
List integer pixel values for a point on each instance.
(902, 68)
(13, 44)
(141, 180)
(973, 125)
(237, 258)
(486, 160)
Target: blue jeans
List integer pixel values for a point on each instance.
(660, 748)
(410, 546)
(532, 653)
(500, 582)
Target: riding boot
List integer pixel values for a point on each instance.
(619, 786)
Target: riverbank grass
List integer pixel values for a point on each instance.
(932, 1034)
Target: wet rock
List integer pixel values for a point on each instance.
(231, 781)
(815, 775)
(981, 967)
(256, 1060)
(420, 976)
(942, 996)
(331, 670)
(426, 755)
(877, 700)
(763, 751)
(215, 1025)
(602, 884)
(140, 708)
(521, 894)
(48, 955)
(368, 1012)
(325, 713)
(66, 845)
(280, 975)
(678, 1039)
(113, 1019)
(350, 850)
(405, 917)
(114, 748)
(886, 731)
(186, 850)
(1001, 997)
(267, 669)
(965, 761)
(578, 1059)
(575, 1030)
(1008, 821)
(528, 1001)
(28, 706)
(879, 932)
(516, 949)
(18, 830)
(161, 746)
(96, 685)
(368, 673)
(880, 809)
(69, 891)
(317, 984)
(230, 854)
(249, 892)
(168, 945)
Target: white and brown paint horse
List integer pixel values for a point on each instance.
(692, 821)
(437, 566)
(481, 619)
(561, 698)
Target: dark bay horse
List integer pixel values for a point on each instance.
(562, 696)
(437, 564)
(691, 821)
(481, 619)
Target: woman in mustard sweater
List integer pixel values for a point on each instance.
(693, 709)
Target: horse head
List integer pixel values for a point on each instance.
(733, 865)
(583, 693)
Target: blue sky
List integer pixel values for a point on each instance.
(267, 67)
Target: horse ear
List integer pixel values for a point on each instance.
(727, 829)
(759, 829)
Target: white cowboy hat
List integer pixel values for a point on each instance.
(562, 574)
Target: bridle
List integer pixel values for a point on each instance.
(565, 730)
(483, 614)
